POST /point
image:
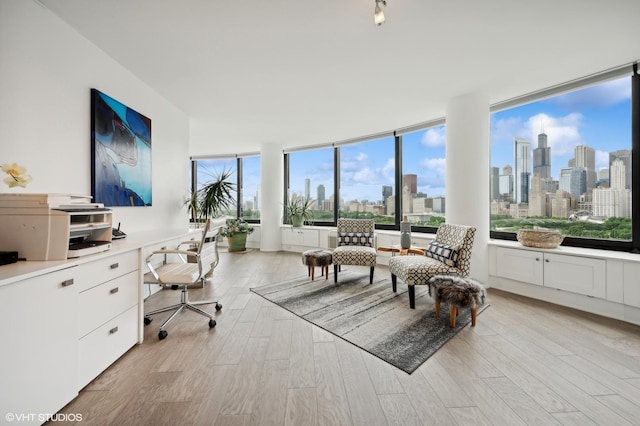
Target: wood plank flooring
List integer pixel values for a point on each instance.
(525, 363)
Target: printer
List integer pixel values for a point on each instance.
(53, 226)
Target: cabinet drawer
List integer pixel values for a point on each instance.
(102, 347)
(103, 302)
(101, 270)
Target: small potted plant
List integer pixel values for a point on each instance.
(299, 211)
(236, 231)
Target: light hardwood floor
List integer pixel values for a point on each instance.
(526, 362)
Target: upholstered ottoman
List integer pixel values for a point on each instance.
(317, 257)
(457, 292)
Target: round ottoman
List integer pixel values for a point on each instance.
(317, 257)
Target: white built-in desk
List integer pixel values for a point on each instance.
(64, 322)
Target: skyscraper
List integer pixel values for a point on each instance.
(506, 183)
(321, 196)
(625, 156)
(522, 162)
(578, 181)
(542, 158)
(387, 191)
(586, 157)
(494, 184)
(411, 182)
(307, 188)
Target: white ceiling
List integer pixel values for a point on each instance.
(308, 72)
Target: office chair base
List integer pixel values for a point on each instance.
(179, 307)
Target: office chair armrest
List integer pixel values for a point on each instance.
(180, 254)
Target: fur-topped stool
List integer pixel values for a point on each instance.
(456, 292)
(317, 257)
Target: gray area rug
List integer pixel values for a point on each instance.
(370, 316)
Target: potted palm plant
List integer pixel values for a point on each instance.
(299, 211)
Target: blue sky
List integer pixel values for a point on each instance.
(597, 116)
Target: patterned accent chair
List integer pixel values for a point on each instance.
(448, 254)
(355, 245)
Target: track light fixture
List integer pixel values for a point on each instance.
(378, 14)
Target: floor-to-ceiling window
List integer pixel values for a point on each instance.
(243, 172)
(249, 188)
(310, 175)
(564, 162)
(367, 180)
(423, 177)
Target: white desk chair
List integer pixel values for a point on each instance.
(194, 266)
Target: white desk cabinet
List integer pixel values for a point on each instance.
(39, 368)
(106, 329)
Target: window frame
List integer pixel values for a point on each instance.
(633, 245)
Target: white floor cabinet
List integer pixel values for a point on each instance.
(598, 281)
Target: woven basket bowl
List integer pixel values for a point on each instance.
(539, 238)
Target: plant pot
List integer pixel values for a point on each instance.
(296, 221)
(238, 242)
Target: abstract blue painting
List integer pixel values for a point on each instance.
(120, 153)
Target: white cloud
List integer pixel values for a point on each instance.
(563, 133)
(601, 95)
(364, 175)
(434, 169)
(602, 160)
(503, 130)
(388, 170)
(434, 137)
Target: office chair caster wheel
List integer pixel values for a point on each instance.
(218, 306)
(162, 334)
(174, 287)
(147, 320)
(212, 323)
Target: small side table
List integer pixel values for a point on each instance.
(402, 252)
(317, 257)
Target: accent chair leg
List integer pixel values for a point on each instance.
(452, 315)
(412, 296)
(474, 312)
(308, 271)
(371, 275)
(437, 308)
(335, 273)
(313, 273)
(394, 281)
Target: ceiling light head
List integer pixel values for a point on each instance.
(378, 14)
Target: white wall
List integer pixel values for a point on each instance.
(46, 73)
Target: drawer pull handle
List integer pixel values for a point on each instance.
(113, 330)
(114, 266)
(537, 259)
(546, 260)
(67, 283)
(114, 290)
